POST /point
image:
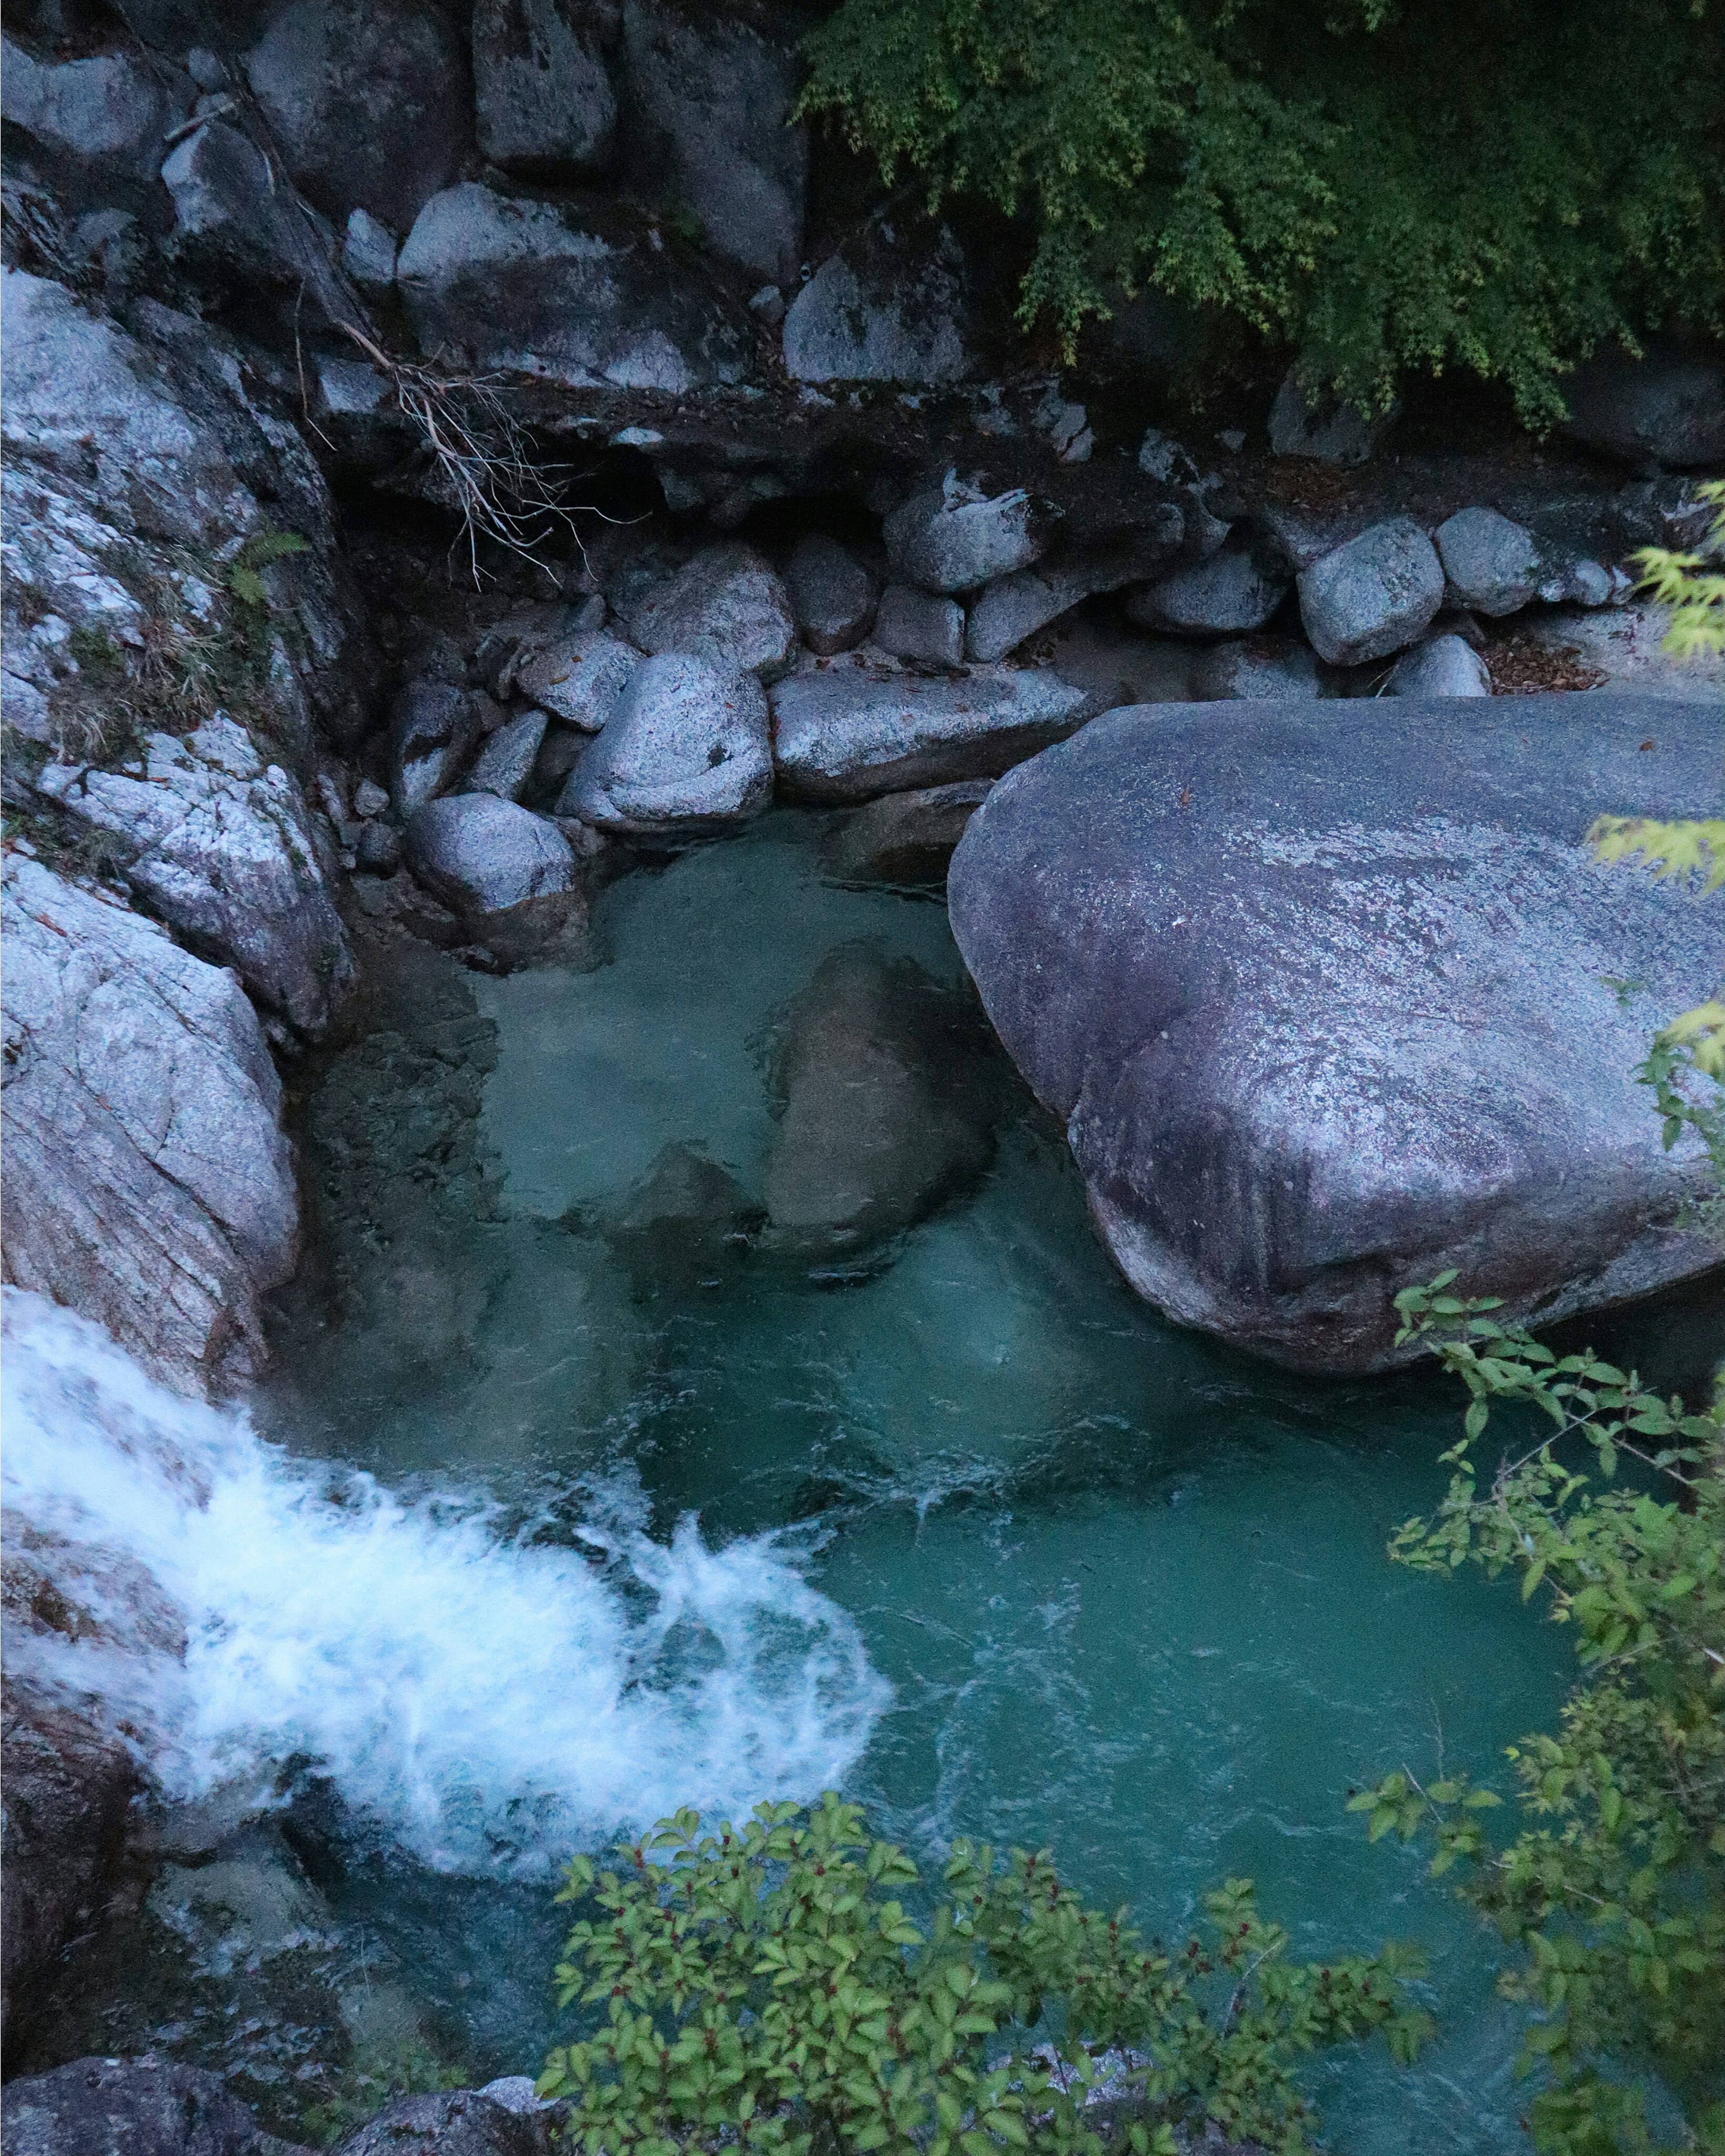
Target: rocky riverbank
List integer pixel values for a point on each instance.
(763, 503)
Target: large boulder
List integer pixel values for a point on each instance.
(122, 2107)
(1229, 594)
(832, 594)
(1324, 428)
(917, 625)
(882, 1085)
(727, 606)
(685, 751)
(853, 732)
(370, 101)
(1015, 607)
(1373, 595)
(542, 93)
(579, 676)
(67, 1787)
(709, 101)
(1494, 565)
(236, 222)
(482, 855)
(148, 1184)
(1441, 666)
(220, 846)
(1325, 1000)
(1667, 408)
(539, 288)
(954, 538)
(96, 123)
(891, 305)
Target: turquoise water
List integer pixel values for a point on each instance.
(1128, 1589)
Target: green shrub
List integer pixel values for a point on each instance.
(1615, 1887)
(1494, 184)
(765, 1986)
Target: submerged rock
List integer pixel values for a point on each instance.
(135, 2108)
(1307, 989)
(853, 732)
(886, 1105)
(148, 1184)
(905, 838)
(686, 750)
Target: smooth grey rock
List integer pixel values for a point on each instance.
(524, 635)
(891, 305)
(506, 763)
(580, 677)
(431, 737)
(1441, 666)
(685, 750)
(1667, 408)
(516, 2092)
(369, 798)
(727, 606)
(709, 99)
(234, 218)
(881, 1080)
(1231, 593)
(1325, 430)
(456, 2123)
(913, 624)
(368, 251)
(220, 847)
(122, 2107)
(66, 1786)
(851, 733)
(1016, 607)
(1308, 988)
(952, 538)
(537, 288)
(1373, 595)
(905, 838)
(1493, 565)
(148, 1184)
(832, 595)
(98, 120)
(542, 94)
(1259, 669)
(370, 101)
(480, 854)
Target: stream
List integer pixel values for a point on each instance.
(587, 1487)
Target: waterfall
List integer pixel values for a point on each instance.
(489, 1701)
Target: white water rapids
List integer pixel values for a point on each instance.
(489, 1702)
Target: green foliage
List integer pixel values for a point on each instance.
(1692, 585)
(766, 1987)
(244, 572)
(1615, 1887)
(1493, 184)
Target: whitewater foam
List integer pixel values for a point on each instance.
(489, 1702)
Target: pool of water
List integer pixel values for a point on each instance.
(609, 1493)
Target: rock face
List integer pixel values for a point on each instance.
(952, 538)
(1308, 989)
(1441, 666)
(727, 606)
(94, 2106)
(542, 94)
(686, 750)
(480, 855)
(148, 1183)
(890, 306)
(885, 1105)
(1227, 594)
(370, 101)
(709, 125)
(849, 735)
(67, 1786)
(523, 284)
(905, 838)
(1373, 595)
(832, 594)
(236, 221)
(431, 736)
(913, 624)
(221, 847)
(1493, 565)
(1667, 408)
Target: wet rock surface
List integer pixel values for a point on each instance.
(1285, 1105)
(905, 838)
(886, 1106)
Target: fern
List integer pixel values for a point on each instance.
(244, 579)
